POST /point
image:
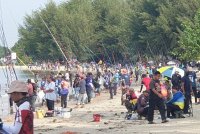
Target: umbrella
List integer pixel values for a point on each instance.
(170, 70)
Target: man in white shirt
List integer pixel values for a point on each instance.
(50, 94)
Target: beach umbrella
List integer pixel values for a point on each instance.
(170, 70)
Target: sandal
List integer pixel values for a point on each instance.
(164, 121)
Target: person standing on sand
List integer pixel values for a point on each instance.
(193, 79)
(23, 123)
(156, 99)
(31, 94)
(82, 91)
(186, 87)
(76, 86)
(50, 94)
(124, 90)
(114, 85)
(89, 86)
(145, 82)
(64, 92)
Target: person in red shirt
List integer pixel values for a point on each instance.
(130, 102)
(145, 81)
(30, 87)
(131, 99)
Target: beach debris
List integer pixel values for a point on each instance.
(101, 130)
(96, 117)
(82, 106)
(105, 123)
(69, 132)
(54, 120)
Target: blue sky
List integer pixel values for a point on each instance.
(13, 12)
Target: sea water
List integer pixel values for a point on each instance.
(4, 105)
(4, 97)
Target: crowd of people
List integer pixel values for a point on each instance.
(171, 96)
(84, 87)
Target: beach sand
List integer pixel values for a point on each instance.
(113, 121)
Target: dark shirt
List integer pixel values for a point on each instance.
(142, 102)
(176, 80)
(153, 84)
(187, 85)
(76, 82)
(192, 76)
(126, 78)
(88, 83)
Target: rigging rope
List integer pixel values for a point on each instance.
(53, 37)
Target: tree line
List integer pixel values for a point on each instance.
(112, 30)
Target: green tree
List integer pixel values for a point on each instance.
(156, 25)
(2, 52)
(113, 30)
(189, 44)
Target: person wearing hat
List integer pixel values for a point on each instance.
(23, 123)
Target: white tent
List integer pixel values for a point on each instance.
(171, 63)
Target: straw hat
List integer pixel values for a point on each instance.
(18, 86)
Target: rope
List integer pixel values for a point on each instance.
(53, 37)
